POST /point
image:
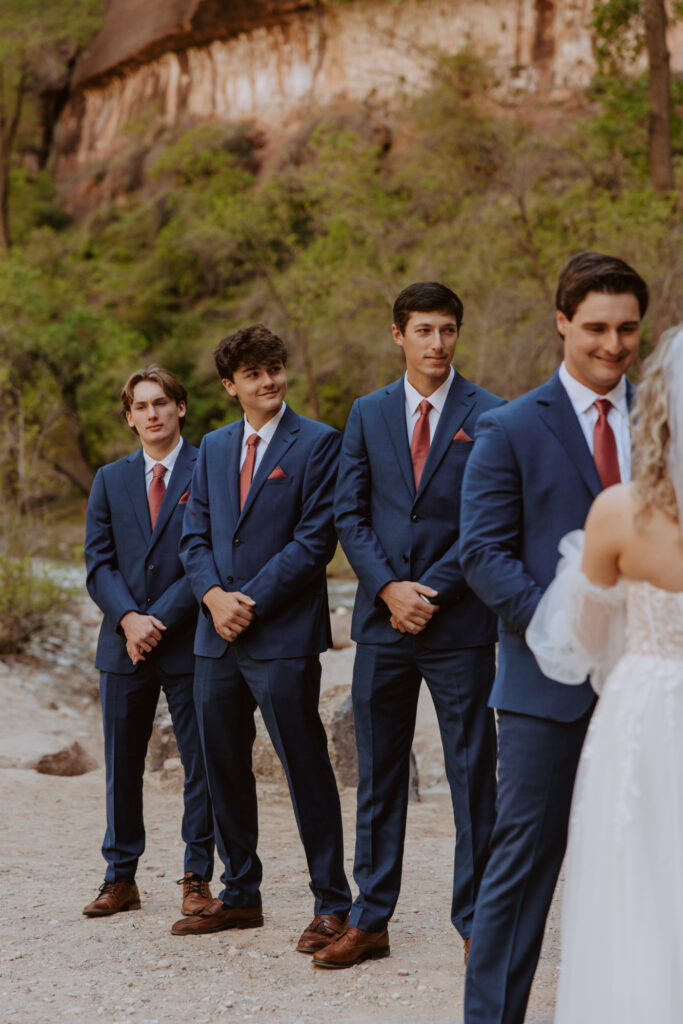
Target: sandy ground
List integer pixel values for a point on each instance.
(56, 965)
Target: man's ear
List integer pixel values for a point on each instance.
(398, 336)
(182, 410)
(561, 321)
(229, 386)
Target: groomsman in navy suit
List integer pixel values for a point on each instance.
(258, 535)
(536, 467)
(134, 521)
(397, 512)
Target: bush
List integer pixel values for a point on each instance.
(28, 600)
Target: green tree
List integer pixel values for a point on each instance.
(38, 41)
(626, 28)
(64, 358)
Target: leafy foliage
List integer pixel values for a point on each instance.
(38, 43)
(28, 600)
(317, 245)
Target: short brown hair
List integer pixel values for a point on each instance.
(166, 380)
(426, 297)
(250, 346)
(594, 272)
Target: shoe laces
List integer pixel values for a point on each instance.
(110, 887)
(193, 885)
(323, 927)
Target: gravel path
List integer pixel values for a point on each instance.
(56, 965)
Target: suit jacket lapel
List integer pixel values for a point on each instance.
(178, 484)
(459, 402)
(227, 474)
(135, 485)
(393, 406)
(557, 412)
(283, 438)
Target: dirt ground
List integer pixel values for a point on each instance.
(56, 965)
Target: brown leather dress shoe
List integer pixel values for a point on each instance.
(196, 893)
(113, 898)
(323, 929)
(216, 917)
(468, 943)
(353, 947)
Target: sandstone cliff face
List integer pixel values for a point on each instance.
(269, 60)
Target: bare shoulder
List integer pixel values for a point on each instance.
(613, 510)
(609, 527)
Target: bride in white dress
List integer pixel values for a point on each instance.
(615, 612)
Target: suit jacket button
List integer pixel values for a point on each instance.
(415, 518)
(230, 579)
(151, 568)
(237, 541)
(404, 558)
(148, 602)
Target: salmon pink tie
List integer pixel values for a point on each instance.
(157, 489)
(605, 446)
(247, 470)
(419, 443)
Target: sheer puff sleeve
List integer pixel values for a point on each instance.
(578, 628)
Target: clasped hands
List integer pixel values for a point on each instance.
(231, 611)
(410, 613)
(142, 632)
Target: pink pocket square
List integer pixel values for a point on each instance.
(462, 436)
(277, 474)
(183, 498)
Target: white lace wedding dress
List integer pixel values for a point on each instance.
(622, 923)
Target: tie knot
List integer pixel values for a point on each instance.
(158, 470)
(253, 440)
(603, 405)
(425, 407)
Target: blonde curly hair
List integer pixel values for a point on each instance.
(651, 432)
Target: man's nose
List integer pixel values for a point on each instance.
(612, 341)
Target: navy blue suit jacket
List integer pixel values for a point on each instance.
(134, 568)
(531, 479)
(391, 532)
(275, 550)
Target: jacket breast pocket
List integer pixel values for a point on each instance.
(278, 481)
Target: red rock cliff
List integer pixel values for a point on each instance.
(165, 61)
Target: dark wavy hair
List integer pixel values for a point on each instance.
(250, 346)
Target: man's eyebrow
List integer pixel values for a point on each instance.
(426, 323)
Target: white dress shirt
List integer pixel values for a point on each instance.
(265, 433)
(169, 461)
(437, 400)
(583, 401)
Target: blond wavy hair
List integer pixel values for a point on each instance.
(651, 432)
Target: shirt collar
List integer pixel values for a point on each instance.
(437, 399)
(267, 430)
(168, 461)
(582, 397)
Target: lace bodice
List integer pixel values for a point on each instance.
(654, 620)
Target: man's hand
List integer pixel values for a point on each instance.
(134, 652)
(231, 611)
(410, 613)
(143, 632)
